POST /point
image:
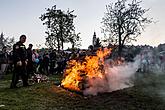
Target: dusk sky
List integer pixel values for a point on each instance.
(22, 17)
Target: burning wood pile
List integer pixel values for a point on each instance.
(79, 73)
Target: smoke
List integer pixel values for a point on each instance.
(95, 86)
(150, 65)
(152, 61)
(120, 77)
(115, 78)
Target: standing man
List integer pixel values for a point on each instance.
(30, 70)
(20, 62)
(52, 57)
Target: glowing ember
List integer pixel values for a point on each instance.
(78, 73)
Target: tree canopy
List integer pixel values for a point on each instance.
(123, 22)
(60, 28)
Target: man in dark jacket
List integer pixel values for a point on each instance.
(30, 69)
(20, 62)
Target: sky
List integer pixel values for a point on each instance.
(19, 17)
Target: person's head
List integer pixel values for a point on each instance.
(34, 50)
(22, 38)
(30, 46)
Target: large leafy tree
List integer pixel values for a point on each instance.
(6, 41)
(123, 22)
(60, 27)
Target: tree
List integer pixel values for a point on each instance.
(60, 27)
(75, 40)
(124, 22)
(8, 42)
(97, 43)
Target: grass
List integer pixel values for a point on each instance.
(147, 94)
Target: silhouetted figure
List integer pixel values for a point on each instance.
(52, 57)
(4, 57)
(20, 62)
(30, 69)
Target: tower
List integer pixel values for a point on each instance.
(94, 39)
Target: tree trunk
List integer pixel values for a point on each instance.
(120, 47)
(58, 43)
(120, 42)
(61, 36)
(72, 45)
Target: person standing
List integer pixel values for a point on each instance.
(35, 60)
(20, 62)
(30, 70)
(52, 57)
(3, 61)
(45, 63)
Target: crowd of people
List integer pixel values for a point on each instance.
(25, 62)
(152, 62)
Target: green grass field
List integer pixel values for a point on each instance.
(147, 94)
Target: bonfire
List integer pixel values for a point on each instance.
(78, 74)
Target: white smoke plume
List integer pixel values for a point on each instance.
(151, 70)
(116, 78)
(120, 77)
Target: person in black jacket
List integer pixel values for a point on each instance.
(30, 70)
(20, 62)
(52, 57)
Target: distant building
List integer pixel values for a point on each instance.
(94, 39)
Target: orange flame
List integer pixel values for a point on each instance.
(78, 72)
